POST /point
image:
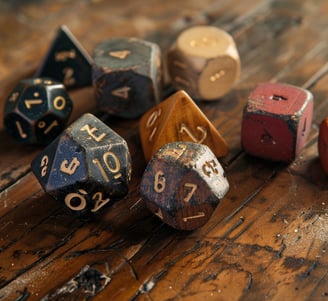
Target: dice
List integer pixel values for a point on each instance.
(183, 184)
(67, 61)
(87, 167)
(37, 110)
(276, 121)
(323, 144)
(127, 76)
(204, 61)
(178, 118)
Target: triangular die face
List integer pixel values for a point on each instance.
(67, 61)
(151, 124)
(186, 122)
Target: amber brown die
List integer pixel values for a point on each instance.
(204, 61)
(87, 167)
(183, 183)
(178, 118)
(127, 76)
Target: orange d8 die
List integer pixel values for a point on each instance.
(276, 121)
(323, 144)
(178, 118)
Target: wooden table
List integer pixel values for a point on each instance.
(268, 238)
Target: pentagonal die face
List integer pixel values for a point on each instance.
(83, 168)
(126, 76)
(183, 184)
(37, 110)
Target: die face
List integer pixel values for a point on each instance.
(279, 99)
(268, 137)
(87, 167)
(323, 144)
(304, 126)
(19, 128)
(110, 164)
(118, 93)
(67, 61)
(37, 110)
(276, 121)
(178, 119)
(127, 76)
(204, 61)
(174, 188)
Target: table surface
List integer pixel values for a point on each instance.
(268, 237)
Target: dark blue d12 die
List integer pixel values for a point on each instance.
(87, 167)
(37, 110)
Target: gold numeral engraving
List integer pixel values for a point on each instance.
(175, 152)
(44, 165)
(13, 97)
(59, 103)
(191, 190)
(69, 168)
(121, 54)
(62, 56)
(113, 167)
(151, 121)
(159, 183)
(91, 130)
(198, 215)
(159, 213)
(79, 200)
(122, 92)
(209, 168)
(202, 130)
(69, 79)
(42, 124)
(30, 102)
(20, 130)
(100, 202)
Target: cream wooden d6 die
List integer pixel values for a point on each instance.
(86, 168)
(183, 184)
(276, 121)
(204, 62)
(127, 76)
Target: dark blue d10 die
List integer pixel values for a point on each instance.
(87, 167)
(127, 76)
(37, 110)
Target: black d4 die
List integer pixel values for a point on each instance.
(36, 110)
(87, 167)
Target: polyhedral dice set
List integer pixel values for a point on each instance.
(86, 166)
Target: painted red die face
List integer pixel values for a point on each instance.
(323, 144)
(276, 121)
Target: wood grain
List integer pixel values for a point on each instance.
(268, 237)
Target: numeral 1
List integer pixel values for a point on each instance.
(113, 167)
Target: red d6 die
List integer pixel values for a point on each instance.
(276, 121)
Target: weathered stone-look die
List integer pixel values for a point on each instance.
(183, 184)
(36, 110)
(204, 61)
(127, 76)
(323, 144)
(87, 167)
(276, 121)
(67, 61)
(178, 118)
